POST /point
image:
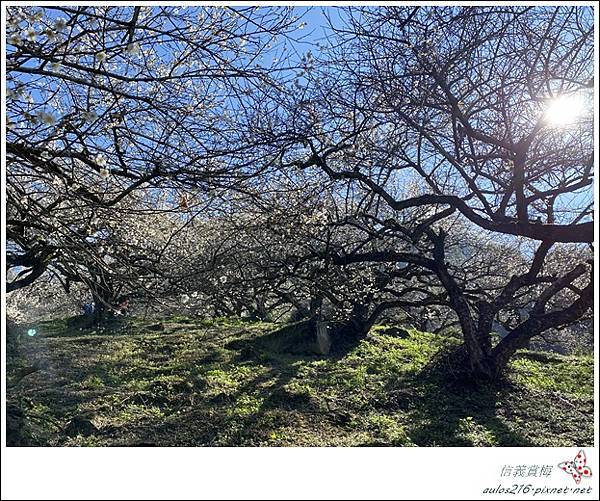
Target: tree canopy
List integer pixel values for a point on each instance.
(433, 163)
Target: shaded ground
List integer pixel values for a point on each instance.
(186, 383)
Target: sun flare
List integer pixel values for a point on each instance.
(563, 110)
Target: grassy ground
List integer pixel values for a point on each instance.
(187, 383)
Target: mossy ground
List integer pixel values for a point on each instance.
(183, 382)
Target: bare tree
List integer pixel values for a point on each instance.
(107, 102)
(464, 102)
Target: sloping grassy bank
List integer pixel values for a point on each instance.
(186, 382)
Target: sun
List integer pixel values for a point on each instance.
(563, 110)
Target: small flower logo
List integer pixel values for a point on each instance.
(577, 468)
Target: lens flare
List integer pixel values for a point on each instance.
(563, 110)
(31, 332)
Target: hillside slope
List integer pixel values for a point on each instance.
(182, 382)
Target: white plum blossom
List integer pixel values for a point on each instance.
(46, 118)
(90, 116)
(60, 24)
(133, 49)
(51, 35)
(100, 159)
(37, 16)
(145, 12)
(108, 259)
(30, 34)
(14, 39)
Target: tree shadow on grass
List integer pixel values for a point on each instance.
(442, 411)
(200, 390)
(450, 409)
(233, 389)
(259, 405)
(457, 414)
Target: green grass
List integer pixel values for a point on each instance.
(572, 375)
(217, 383)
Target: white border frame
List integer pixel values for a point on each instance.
(278, 473)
